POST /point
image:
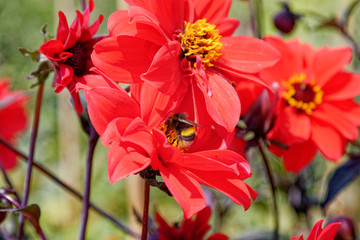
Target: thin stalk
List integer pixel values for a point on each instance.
(273, 191)
(30, 159)
(8, 182)
(93, 138)
(256, 14)
(145, 212)
(71, 190)
(83, 4)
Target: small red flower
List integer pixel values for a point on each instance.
(12, 121)
(139, 138)
(189, 229)
(70, 52)
(316, 110)
(317, 233)
(180, 47)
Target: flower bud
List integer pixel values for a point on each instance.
(285, 20)
(346, 230)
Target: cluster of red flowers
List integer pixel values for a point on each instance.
(314, 108)
(187, 74)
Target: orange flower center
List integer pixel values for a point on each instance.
(201, 39)
(179, 131)
(303, 96)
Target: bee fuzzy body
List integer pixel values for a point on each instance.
(179, 131)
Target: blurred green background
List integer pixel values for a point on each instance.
(20, 24)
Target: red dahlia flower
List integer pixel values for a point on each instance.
(317, 233)
(12, 121)
(316, 110)
(70, 52)
(137, 139)
(180, 46)
(189, 228)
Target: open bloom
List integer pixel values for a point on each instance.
(138, 139)
(189, 229)
(70, 52)
(181, 46)
(12, 121)
(316, 110)
(317, 233)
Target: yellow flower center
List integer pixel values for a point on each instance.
(303, 96)
(201, 39)
(179, 131)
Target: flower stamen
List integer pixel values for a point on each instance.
(303, 96)
(201, 39)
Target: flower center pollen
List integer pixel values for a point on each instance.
(303, 96)
(201, 39)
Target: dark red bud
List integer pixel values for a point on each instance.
(346, 230)
(285, 20)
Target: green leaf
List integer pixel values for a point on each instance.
(34, 55)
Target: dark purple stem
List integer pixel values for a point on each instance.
(93, 138)
(71, 190)
(83, 4)
(145, 212)
(30, 159)
(7, 180)
(273, 191)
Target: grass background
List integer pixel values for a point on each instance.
(20, 24)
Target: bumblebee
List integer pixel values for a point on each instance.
(179, 131)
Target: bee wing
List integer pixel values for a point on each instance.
(189, 122)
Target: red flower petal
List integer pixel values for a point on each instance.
(222, 103)
(63, 28)
(12, 115)
(328, 62)
(218, 236)
(132, 132)
(118, 23)
(64, 75)
(165, 71)
(186, 191)
(165, 231)
(156, 107)
(107, 104)
(291, 127)
(213, 11)
(316, 230)
(329, 141)
(52, 49)
(230, 169)
(246, 54)
(337, 119)
(170, 13)
(122, 59)
(289, 63)
(297, 156)
(227, 26)
(125, 161)
(329, 231)
(7, 158)
(351, 108)
(342, 86)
